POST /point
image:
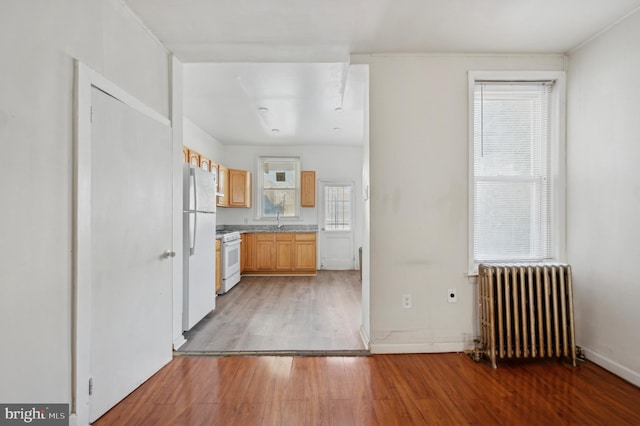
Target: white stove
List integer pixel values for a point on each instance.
(230, 256)
(228, 236)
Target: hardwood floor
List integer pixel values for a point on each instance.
(275, 314)
(448, 389)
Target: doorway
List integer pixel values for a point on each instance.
(349, 99)
(336, 227)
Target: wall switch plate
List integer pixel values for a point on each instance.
(406, 301)
(452, 295)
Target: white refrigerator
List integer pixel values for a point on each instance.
(199, 244)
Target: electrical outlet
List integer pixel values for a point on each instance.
(406, 301)
(452, 295)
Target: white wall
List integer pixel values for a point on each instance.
(197, 139)
(38, 41)
(419, 192)
(603, 150)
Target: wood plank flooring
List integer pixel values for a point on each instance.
(417, 389)
(318, 314)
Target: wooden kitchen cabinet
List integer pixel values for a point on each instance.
(248, 253)
(205, 163)
(194, 158)
(286, 253)
(218, 266)
(239, 188)
(305, 252)
(185, 154)
(223, 186)
(265, 252)
(307, 189)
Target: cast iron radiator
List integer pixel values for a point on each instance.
(526, 311)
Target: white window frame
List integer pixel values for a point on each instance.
(260, 186)
(557, 157)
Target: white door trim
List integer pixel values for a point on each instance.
(85, 79)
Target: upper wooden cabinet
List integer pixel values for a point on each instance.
(194, 158)
(234, 185)
(205, 163)
(307, 189)
(239, 188)
(223, 186)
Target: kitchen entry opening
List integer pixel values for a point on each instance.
(336, 228)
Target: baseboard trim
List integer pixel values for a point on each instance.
(178, 342)
(364, 337)
(608, 364)
(292, 353)
(415, 348)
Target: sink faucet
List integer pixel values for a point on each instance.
(278, 219)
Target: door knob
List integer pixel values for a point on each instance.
(168, 253)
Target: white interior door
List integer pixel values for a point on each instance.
(131, 290)
(336, 227)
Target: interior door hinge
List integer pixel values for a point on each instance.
(91, 386)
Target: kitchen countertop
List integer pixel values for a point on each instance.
(243, 229)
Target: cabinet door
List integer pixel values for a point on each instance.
(307, 189)
(265, 252)
(194, 158)
(248, 253)
(284, 252)
(185, 154)
(305, 252)
(223, 186)
(205, 163)
(239, 188)
(218, 266)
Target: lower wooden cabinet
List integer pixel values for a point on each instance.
(265, 252)
(284, 252)
(247, 253)
(305, 252)
(279, 253)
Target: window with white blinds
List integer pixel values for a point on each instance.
(513, 188)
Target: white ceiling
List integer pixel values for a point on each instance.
(289, 55)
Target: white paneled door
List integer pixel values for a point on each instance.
(131, 310)
(336, 227)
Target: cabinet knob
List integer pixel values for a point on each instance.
(168, 253)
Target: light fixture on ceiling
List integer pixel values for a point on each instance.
(336, 129)
(339, 109)
(275, 130)
(263, 109)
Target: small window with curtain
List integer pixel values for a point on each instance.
(337, 216)
(514, 190)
